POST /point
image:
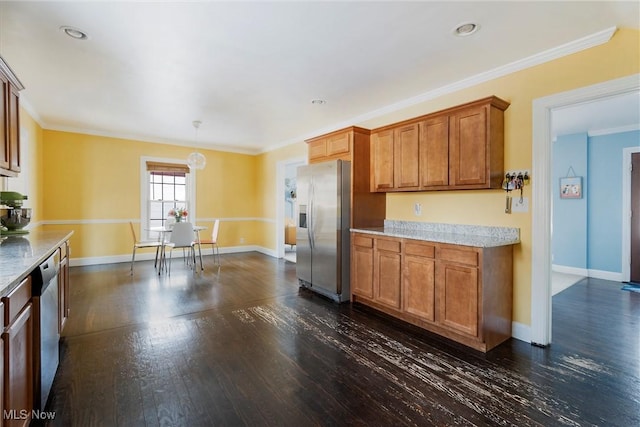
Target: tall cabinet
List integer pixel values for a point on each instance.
(367, 209)
(10, 88)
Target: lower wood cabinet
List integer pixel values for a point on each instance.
(387, 276)
(460, 292)
(362, 265)
(17, 340)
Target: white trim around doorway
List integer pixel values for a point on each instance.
(540, 332)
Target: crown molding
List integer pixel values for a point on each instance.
(7, 71)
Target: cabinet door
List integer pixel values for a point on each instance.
(339, 144)
(406, 147)
(382, 162)
(434, 152)
(18, 368)
(457, 297)
(5, 156)
(387, 272)
(317, 150)
(468, 160)
(362, 266)
(13, 131)
(418, 280)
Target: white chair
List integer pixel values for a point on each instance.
(215, 249)
(143, 244)
(182, 236)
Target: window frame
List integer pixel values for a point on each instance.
(144, 192)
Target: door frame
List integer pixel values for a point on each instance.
(540, 332)
(626, 212)
(280, 177)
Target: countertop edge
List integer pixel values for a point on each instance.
(14, 281)
(453, 239)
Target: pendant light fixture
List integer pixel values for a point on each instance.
(195, 159)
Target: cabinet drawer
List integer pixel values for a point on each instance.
(365, 242)
(388, 245)
(459, 256)
(16, 299)
(419, 249)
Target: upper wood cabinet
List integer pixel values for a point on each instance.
(10, 88)
(457, 148)
(352, 144)
(337, 145)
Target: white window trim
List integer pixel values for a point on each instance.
(144, 189)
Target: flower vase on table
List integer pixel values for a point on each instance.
(178, 215)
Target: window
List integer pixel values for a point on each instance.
(165, 185)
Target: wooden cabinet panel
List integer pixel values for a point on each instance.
(13, 133)
(469, 161)
(317, 149)
(362, 269)
(339, 144)
(434, 152)
(5, 155)
(387, 273)
(418, 287)
(10, 88)
(459, 255)
(382, 167)
(15, 300)
(18, 367)
(406, 145)
(457, 297)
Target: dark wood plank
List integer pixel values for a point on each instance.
(246, 346)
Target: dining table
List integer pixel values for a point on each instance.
(162, 233)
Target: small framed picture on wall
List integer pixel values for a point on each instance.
(571, 187)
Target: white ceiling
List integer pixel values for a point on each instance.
(249, 70)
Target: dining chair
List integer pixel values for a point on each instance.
(143, 244)
(215, 249)
(182, 236)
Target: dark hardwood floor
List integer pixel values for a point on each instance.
(244, 346)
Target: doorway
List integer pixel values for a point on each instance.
(286, 207)
(540, 332)
(634, 235)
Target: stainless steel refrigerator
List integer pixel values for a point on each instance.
(322, 235)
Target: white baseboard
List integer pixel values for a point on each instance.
(521, 331)
(570, 270)
(596, 274)
(145, 256)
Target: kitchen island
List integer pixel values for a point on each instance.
(34, 306)
(453, 280)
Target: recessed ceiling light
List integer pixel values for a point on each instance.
(74, 33)
(466, 29)
(318, 101)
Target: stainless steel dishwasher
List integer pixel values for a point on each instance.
(46, 350)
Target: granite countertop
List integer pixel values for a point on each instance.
(20, 255)
(457, 234)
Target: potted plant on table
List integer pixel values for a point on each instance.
(179, 214)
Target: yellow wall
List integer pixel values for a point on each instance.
(92, 185)
(96, 178)
(267, 166)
